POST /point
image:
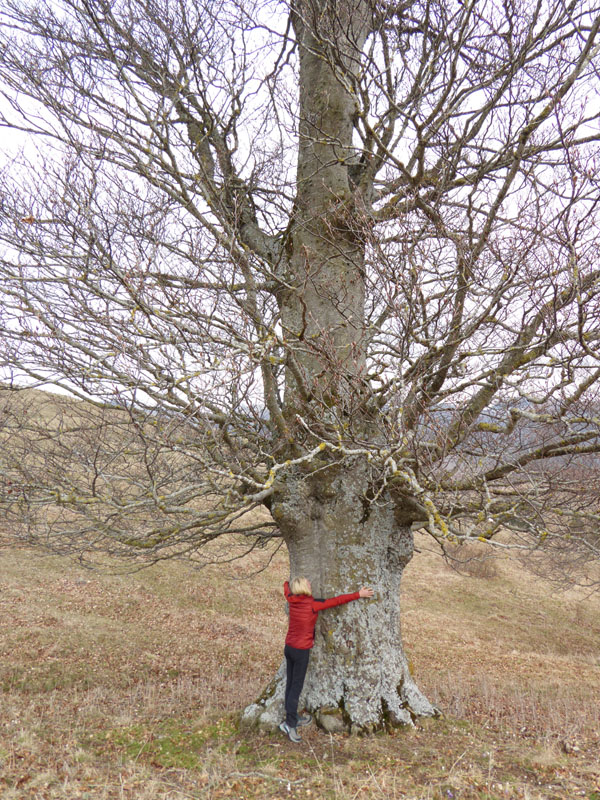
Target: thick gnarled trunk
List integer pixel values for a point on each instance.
(358, 677)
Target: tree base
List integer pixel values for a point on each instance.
(402, 709)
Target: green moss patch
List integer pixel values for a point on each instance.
(171, 743)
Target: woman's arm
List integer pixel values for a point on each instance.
(341, 599)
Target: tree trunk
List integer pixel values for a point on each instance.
(358, 677)
(322, 306)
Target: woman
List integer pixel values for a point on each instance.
(300, 638)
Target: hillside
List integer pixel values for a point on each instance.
(128, 686)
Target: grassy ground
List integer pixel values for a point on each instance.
(129, 687)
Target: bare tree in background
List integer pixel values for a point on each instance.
(325, 270)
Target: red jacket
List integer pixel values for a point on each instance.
(304, 610)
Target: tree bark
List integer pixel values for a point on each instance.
(358, 677)
(322, 308)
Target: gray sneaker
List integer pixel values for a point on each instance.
(291, 733)
(306, 720)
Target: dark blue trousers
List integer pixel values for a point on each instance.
(297, 662)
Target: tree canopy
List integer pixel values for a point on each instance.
(258, 236)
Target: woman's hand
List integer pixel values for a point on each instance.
(364, 592)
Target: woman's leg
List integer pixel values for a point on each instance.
(299, 664)
(289, 673)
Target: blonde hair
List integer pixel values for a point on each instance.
(300, 586)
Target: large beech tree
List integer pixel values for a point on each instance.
(324, 271)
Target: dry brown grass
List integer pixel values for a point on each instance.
(474, 559)
(118, 687)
